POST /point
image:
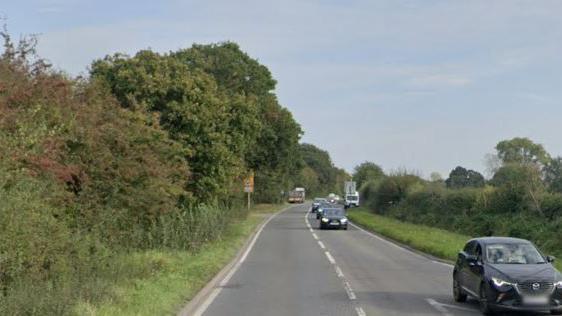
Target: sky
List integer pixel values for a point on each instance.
(418, 85)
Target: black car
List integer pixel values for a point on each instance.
(316, 204)
(333, 218)
(507, 274)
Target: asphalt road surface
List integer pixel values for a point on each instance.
(296, 269)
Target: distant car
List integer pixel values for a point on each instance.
(333, 218)
(507, 274)
(316, 204)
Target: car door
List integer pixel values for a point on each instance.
(476, 270)
(464, 268)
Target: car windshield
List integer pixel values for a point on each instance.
(334, 212)
(318, 200)
(352, 197)
(513, 253)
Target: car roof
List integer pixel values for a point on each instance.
(504, 240)
(334, 208)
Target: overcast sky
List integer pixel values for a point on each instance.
(423, 85)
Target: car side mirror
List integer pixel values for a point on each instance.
(471, 260)
(550, 259)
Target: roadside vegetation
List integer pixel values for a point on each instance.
(108, 180)
(167, 279)
(522, 199)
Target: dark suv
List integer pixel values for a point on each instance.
(507, 274)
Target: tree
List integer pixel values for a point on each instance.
(319, 160)
(367, 171)
(218, 102)
(521, 150)
(520, 182)
(461, 178)
(436, 177)
(553, 174)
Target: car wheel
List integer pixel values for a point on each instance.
(484, 306)
(458, 293)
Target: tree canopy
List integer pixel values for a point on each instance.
(461, 178)
(521, 150)
(367, 171)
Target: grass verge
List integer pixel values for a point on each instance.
(438, 242)
(174, 277)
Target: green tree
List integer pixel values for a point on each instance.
(319, 160)
(462, 178)
(273, 154)
(553, 174)
(521, 150)
(521, 185)
(367, 171)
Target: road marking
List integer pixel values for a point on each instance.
(360, 311)
(349, 290)
(330, 258)
(443, 307)
(438, 307)
(448, 265)
(203, 307)
(347, 287)
(339, 272)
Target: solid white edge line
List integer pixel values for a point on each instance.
(397, 246)
(203, 307)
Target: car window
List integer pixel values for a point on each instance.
(510, 253)
(334, 212)
(469, 248)
(478, 253)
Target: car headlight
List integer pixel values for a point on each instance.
(500, 283)
(558, 284)
(343, 220)
(325, 220)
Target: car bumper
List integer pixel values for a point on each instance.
(519, 308)
(513, 302)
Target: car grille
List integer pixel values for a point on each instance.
(535, 288)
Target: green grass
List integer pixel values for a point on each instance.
(438, 242)
(174, 277)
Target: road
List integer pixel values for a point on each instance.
(296, 269)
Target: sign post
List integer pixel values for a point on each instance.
(249, 186)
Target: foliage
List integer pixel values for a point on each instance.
(92, 169)
(461, 178)
(553, 174)
(521, 150)
(365, 172)
(319, 175)
(217, 102)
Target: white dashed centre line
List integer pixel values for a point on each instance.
(330, 258)
(347, 287)
(360, 311)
